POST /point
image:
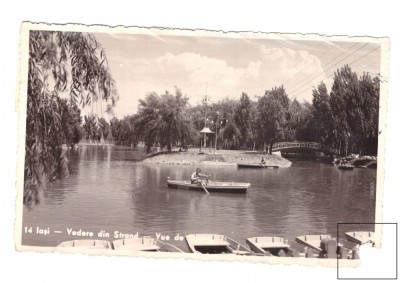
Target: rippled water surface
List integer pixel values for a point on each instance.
(108, 191)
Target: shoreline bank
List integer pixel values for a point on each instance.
(216, 158)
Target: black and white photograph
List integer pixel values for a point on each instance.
(200, 144)
(211, 141)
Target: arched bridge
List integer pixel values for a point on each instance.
(314, 146)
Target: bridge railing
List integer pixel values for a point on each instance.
(298, 144)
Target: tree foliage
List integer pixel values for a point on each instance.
(68, 64)
(273, 108)
(344, 118)
(70, 120)
(243, 118)
(124, 131)
(164, 120)
(323, 115)
(104, 128)
(91, 127)
(355, 109)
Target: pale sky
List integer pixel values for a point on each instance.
(226, 67)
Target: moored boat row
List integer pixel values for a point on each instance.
(316, 246)
(145, 244)
(355, 161)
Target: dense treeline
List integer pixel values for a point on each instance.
(345, 118)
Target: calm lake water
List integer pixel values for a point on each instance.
(108, 191)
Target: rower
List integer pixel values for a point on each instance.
(195, 178)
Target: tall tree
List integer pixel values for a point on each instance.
(306, 128)
(369, 90)
(297, 120)
(60, 63)
(164, 120)
(91, 127)
(221, 121)
(243, 119)
(104, 128)
(149, 119)
(273, 109)
(344, 96)
(323, 116)
(355, 105)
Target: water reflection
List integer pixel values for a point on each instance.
(107, 191)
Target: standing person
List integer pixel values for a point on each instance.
(195, 178)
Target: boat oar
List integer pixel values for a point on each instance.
(204, 187)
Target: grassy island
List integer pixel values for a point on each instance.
(216, 158)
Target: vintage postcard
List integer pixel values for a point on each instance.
(174, 143)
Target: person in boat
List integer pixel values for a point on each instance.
(196, 175)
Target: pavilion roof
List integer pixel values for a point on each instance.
(206, 130)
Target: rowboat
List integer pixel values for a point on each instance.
(214, 244)
(86, 244)
(211, 186)
(360, 237)
(345, 167)
(312, 241)
(256, 166)
(371, 164)
(144, 244)
(271, 246)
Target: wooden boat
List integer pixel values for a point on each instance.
(211, 186)
(312, 241)
(371, 164)
(86, 244)
(214, 244)
(360, 237)
(145, 244)
(257, 166)
(272, 246)
(345, 167)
